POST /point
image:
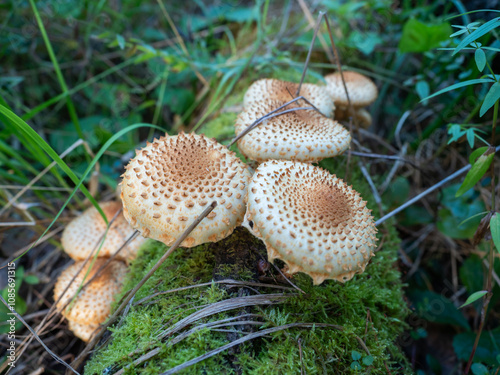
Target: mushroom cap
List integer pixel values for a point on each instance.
(362, 90)
(172, 180)
(311, 220)
(303, 135)
(83, 331)
(93, 304)
(83, 234)
(269, 88)
(363, 117)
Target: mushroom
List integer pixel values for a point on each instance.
(92, 305)
(82, 235)
(172, 180)
(265, 89)
(303, 135)
(311, 220)
(362, 92)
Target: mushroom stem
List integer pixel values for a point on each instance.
(131, 294)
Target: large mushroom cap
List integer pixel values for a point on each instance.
(303, 135)
(311, 220)
(93, 304)
(171, 181)
(362, 90)
(265, 89)
(82, 235)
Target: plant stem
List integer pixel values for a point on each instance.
(489, 285)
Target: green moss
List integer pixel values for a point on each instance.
(371, 301)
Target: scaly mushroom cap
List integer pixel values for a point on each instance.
(362, 90)
(82, 234)
(172, 180)
(265, 89)
(303, 135)
(93, 304)
(83, 331)
(311, 220)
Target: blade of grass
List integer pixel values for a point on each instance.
(60, 77)
(36, 139)
(78, 185)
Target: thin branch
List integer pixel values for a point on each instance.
(426, 192)
(316, 29)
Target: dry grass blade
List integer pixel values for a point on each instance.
(229, 282)
(225, 305)
(20, 318)
(248, 337)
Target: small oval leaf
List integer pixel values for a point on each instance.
(480, 58)
(355, 355)
(495, 230)
(474, 297)
(476, 173)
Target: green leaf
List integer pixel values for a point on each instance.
(31, 279)
(470, 137)
(121, 41)
(422, 88)
(459, 85)
(435, 307)
(476, 34)
(355, 355)
(479, 369)
(487, 348)
(491, 97)
(356, 366)
(480, 58)
(474, 297)
(420, 37)
(476, 173)
(368, 360)
(477, 153)
(495, 230)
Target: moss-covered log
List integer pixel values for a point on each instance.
(189, 309)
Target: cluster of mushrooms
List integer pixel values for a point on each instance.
(310, 219)
(80, 240)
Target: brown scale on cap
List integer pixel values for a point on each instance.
(311, 220)
(93, 304)
(82, 234)
(283, 91)
(172, 180)
(303, 135)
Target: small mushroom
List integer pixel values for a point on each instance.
(311, 220)
(92, 305)
(362, 92)
(81, 236)
(303, 135)
(283, 91)
(172, 180)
